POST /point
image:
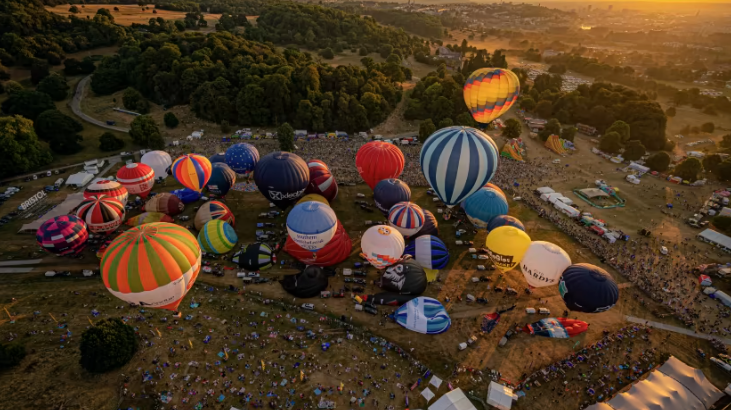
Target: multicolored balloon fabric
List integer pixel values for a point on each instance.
(111, 189)
(137, 178)
(217, 237)
(62, 235)
(192, 171)
(101, 213)
(490, 93)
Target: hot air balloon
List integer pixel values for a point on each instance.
(315, 198)
(388, 298)
(378, 160)
(336, 251)
(101, 213)
(557, 328)
(543, 264)
(166, 203)
(306, 284)
(242, 157)
(484, 205)
(219, 157)
(217, 237)
(152, 265)
(192, 171)
(406, 277)
(588, 288)
(62, 235)
(322, 181)
(222, 179)
(423, 315)
(430, 227)
(282, 178)
(147, 217)
(311, 225)
(496, 188)
(490, 92)
(406, 217)
(187, 195)
(389, 192)
(159, 161)
(256, 257)
(137, 178)
(213, 210)
(112, 189)
(382, 246)
(457, 161)
(430, 252)
(506, 246)
(504, 220)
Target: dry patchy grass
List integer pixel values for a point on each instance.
(129, 13)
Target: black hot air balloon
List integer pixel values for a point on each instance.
(306, 284)
(389, 192)
(282, 178)
(588, 288)
(430, 227)
(406, 278)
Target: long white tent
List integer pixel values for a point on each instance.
(454, 400)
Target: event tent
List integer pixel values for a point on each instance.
(64, 208)
(79, 179)
(454, 400)
(499, 396)
(715, 238)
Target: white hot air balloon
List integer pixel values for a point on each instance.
(543, 264)
(382, 245)
(159, 161)
(311, 225)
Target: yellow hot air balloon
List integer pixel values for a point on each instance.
(506, 246)
(314, 197)
(490, 92)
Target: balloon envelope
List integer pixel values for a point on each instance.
(166, 203)
(217, 237)
(306, 284)
(378, 160)
(423, 315)
(222, 179)
(336, 251)
(389, 192)
(219, 157)
(484, 205)
(62, 235)
(147, 217)
(505, 220)
(490, 92)
(137, 178)
(588, 288)
(282, 178)
(159, 161)
(311, 225)
(213, 210)
(496, 188)
(153, 265)
(457, 161)
(543, 264)
(315, 198)
(406, 217)
(430, 227)
(111, 189)
(187, 195)
(506, 246)
(406, 277)
(557, 328)
(192, 171)
(322, 181)
(430, 251)
(257, 256)
(101, 213)
(382, 246)
(242, 157)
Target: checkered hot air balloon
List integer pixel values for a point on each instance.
(192, 171)
(490, 92)
(101, 213)
(137, 178)
(406, 217)
(62, 235)
(111, 189)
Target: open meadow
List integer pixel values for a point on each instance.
(129, 14)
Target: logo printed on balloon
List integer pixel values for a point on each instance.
(537, 275)
(278, 196)
(384, 230)
(502, 261)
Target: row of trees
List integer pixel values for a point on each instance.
(438, 97)
(418, 23)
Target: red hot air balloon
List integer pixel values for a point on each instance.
(337, 250)
(322, 181)
(137, 178)
(378, 160)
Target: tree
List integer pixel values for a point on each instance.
(552, 127)
(634, 150)
(133, 100)
(671, 112)
(60, 131)
(225, 127)
(446, 122)
(725, 141)
(426, 129)
(512, 128)
(107, 345)
(39, 70)
(27, 103)
(327, 53)
(544, 109)
(55, 86)
(569, 133)
(363, 51)
(19, 147)
(171, 121)
(144, 132)
(465, 119)
(610, 143)
(528, 104)
(105, 12)
(74, 10)
(4, 74)
(53, 58)
(659, 161)
(109, 142)
(11, 354)
(621, 128)
(711, 163)
(708, 127)
(285, 135)
(722, 223)
(12, 87)
(723, 171)
(689, 169)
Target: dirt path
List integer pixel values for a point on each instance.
(76, 107)
(676, 329)
(395, 125)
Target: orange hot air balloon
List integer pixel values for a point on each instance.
(490, 92)
(192, 171)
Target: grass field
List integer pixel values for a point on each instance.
(129, 14)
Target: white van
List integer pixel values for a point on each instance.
(51, 273)
(241, 275)
(347, 272)
(470, 298)
(462, 346)
(530, 311)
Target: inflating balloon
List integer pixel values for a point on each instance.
(217, 237)
(306, 284)
(484, 205)
(588, 288)
(423, 315)
(315, 198)
(382, 246)
(336, 251)
(490, 92)
(389, 192)
(159, 161)
(101, 213)
(256, 257)
(166, 203)
(62, 235)
(543, 264)
(148, 217)
(111, 189)
(192, 171)
(557, 328)
(506, 246)
(213, 210)
(242, 157)
(378, 160)
(282, 178)
(406, 277)
(311, 225)
(505, 220)
(322, 181)
(430, 252)
(496, 188)
(187, 195)
(222, 179)
(153, 265)
(430, 227)
(457, 161)
(219, 157)
(406, 217)
(137, 178)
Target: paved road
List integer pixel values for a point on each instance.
(76, 107)
(675, 329)
(21, 262)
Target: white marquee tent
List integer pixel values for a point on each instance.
(454, 400)
(499, 396)
(80, 179)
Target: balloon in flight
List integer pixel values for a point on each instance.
(490, 93)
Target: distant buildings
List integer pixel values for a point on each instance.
(453, 58)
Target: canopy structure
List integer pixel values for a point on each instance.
(499, 396)
(454, 400)
(593, 193)
(672, 386)
(79, 179)
(64, 208)
(715, 238)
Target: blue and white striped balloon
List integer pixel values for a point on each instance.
(423, 315)
(406, 217)
(430, 251)
(457, 161)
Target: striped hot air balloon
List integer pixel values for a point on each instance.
(101, 213)
(406, 217)
(213, 210)
(147, 217)
(490, 92)
(256, 257)
(62, 235)
(111, 189)
(423, 315)
(457, 161)
(152, 265)
(378, 160)
(322, 181)
(430, 251)
(137, 178)
(192, 171)
(217, 237)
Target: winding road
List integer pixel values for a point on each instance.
(76, 107)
